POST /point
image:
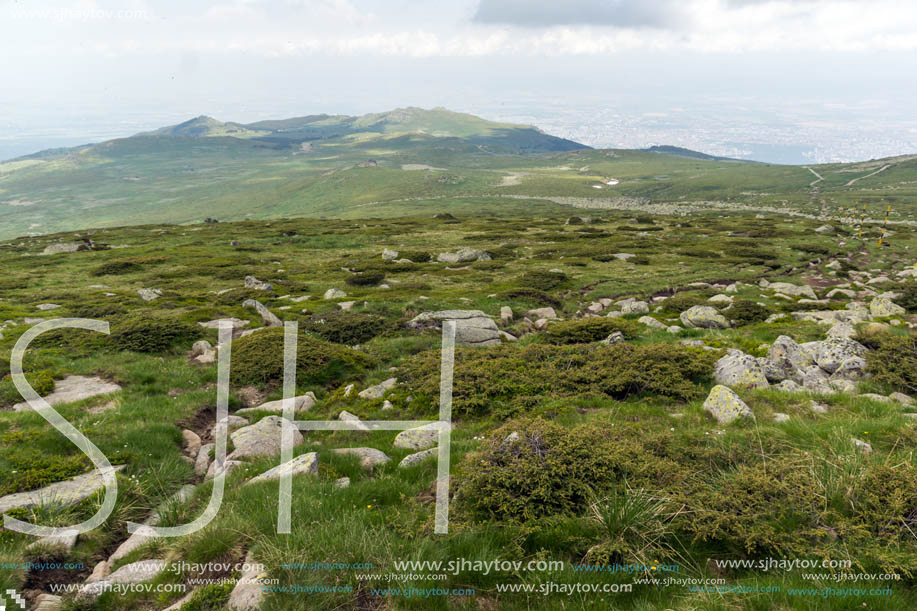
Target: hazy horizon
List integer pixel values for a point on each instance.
(789, 81)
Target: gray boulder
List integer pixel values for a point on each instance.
(302, 464)
(835, 350)
(472, 327)
(464, 255)
(369, 457)
(74, 388)
(259, 285)
(415, 459)
(150, 294)
(703, 317)
(883, 306)
(260, 439)
(793, 289)
(422, 437)
(740, 370)
(377, 391)
(726, 406)
(268, 317)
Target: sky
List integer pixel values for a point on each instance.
(794, 80)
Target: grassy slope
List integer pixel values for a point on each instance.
(298, 171)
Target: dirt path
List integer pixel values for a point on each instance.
(818, 177)
(882, 169)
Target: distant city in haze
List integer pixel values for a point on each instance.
(786, 134)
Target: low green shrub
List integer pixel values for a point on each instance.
(547, 470)
(894, 362)
(117, 267)
(367, 278)
(542, 280)
(417, 256)
(530, 296)
(31, 469)
(908, 296)
(97, 310)
(533, 468)
(768, 508)
(679, 302)
(746, 312)
(344, 327)
(152, 331)
(511, 379)
(258, 359)
(588, 330)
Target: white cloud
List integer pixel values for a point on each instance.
(428, 29)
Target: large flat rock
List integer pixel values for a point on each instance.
(74, 388)
(67, 492)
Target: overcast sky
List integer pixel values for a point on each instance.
(100, 68)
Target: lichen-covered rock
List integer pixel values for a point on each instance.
(420, 438)
(835, 350)
(842, 329)
(302, 464)
(259, 285)
(389, 255)
(247, 595)
(788, 356)
(813, 378)
(74, 388)
(615, 337)
(369, 457)
(472, 327)
(635, 307)
(377, 391)
(853, 368)
(541, 313)
(463, 255)
(703, 317)
(415, 459)
(261, 439)
(268, 317)
(649, 321)
(738, 369)
(901, 398)
(883, 306)
(67, 492)
(726, 406)
(334, 294)
(793, 289)
(788, 386)
(150, 294)
(64, 248)
(301, 403)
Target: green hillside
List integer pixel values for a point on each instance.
(404, 162)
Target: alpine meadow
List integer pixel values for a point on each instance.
(497, 359)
